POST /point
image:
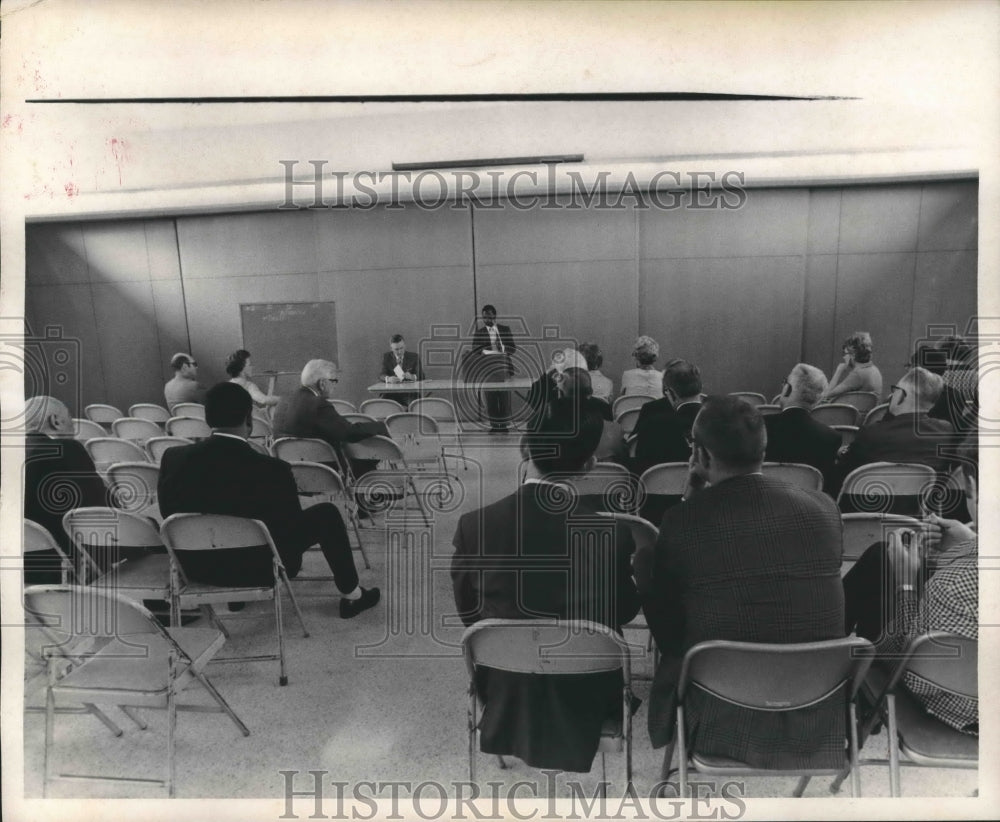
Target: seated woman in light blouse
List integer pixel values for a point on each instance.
(857, 372)
(239, 370)
(644, 379)
(603, 386)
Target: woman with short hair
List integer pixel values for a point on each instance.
(644, 379)
(239, 370)
(857, 372)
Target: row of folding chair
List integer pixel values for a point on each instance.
(140, 430)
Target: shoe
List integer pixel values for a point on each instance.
(352, 607)
(235, 607)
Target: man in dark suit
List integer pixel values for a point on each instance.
(398, 366)
(224, 475)
(746, 558)
(59, 475)
(793, 435)
(490, 361)
(529, 556)
(663, 426)
(910, 435)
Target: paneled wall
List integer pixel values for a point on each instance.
(745, 293)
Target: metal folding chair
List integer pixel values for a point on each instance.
(316, 483)
(189, 409)
(835, 413)
(612, 483)
(37, 540)
(888, 487)
(864, 401)
(135, 430)
(102, 414)
(795, 473)
(627, 420)
(622, 404)
(751, 397)
(380, 488)
(443, 412)
(343, 406)
(380, 408)
(876, 414)
(861, 531)
(190, 428)
(667, 479)
(84, 430)
(149, 411)
(155, 446)
(133, 485)
(105, 451)
(769, 408)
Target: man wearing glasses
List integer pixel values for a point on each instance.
(184, 386)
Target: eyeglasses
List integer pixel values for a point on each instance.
(690, 440)
(894, 388)
(192, 363)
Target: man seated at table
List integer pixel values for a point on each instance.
(400, 366)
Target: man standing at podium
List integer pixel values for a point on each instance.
(490, 361)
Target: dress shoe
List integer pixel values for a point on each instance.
(352, 607)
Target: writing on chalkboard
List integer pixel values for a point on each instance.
(284, 336)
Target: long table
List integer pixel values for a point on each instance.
(426, 386)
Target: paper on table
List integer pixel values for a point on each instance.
(399, 370)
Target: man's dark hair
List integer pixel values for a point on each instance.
(683, 378)
(396, 338)
(227, 405)
(178, 361)
(488, 309)
(566, 438)
(237, 362)
(732, 431)
(592, 354)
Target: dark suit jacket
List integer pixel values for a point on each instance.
(661, 434)
(794, 436)
(751, 559)
(903, 438)
(479, 366)
(224, 475)
(303, 414)
(513, 560)
(59, 475)
(411, 364)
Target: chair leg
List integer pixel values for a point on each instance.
(295, 603)
(853, 752)
(282, 675)
(891, 729)
(357, 535)
(604, 775)
(800, 788)
(138, 720)
(50, 718)
(221, 702)
(501, 762)
(171, 730)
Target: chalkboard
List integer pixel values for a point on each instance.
(284, 336)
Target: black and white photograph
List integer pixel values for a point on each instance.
(498, 410)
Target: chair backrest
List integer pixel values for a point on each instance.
(876, 414)
(105, 451)
(775, 677)
(864, 401)
(769, 408)
(623, 404)
(949, 661)
(96, 534)
(545, 647)
(37, 539)
(102, 414)
(74, 616)
(668, 478)
(751, 397)
(213, 532)
(411, 424)
(149, 411)
(861, 531)
(872, 485)
(260, 428)
(836, 413)
(356, 417)
(610, 481)
(343, 406)
(303, 449)
(135, 429)
(84, 430)
(436, 408)
(374, 448)
(380, 408)
(259, 447)
(316, 479)
(191, 428)
(155, 446)
(796, 473)
(644, 533)
(134, 484)
(628, 419)
(189, 409)
(847, 433)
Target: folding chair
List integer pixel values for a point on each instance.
(848, 433)
(155, 446)
(315, 483)
(135, 430)
(751, 397)
(946, 661)
(770, 408)
(381, 487)
(861, 531)
(122, 656)
(105, 451)
(84, 430)
(121, 551)
(773, 678)
(38, 540)
(260, 431)
(551, 648)
(189, 409)
(102, 414)
(343, 406)
(627, 420)
(888, 487)
(259, 447)
(190, 428)
(306, 449)
(795, 473)
(212, 532)
(864, 401)
(355, 417)
(443, 412)
(612, 483)
(835, 413)
(149, 411)
(622, 404)
(133, 485)
(380, 408)
(419, 438)
(876, 414)
(667, 478)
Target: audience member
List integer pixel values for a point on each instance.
(747, 558)
(959, 400)
(857, 372)
(910, 435)
(59, 475)
(643, 379)
(240, 371)
(604, 388)
(524, 557)
(224, 475)
(398, 366)
(793, 435)
(184, 386)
